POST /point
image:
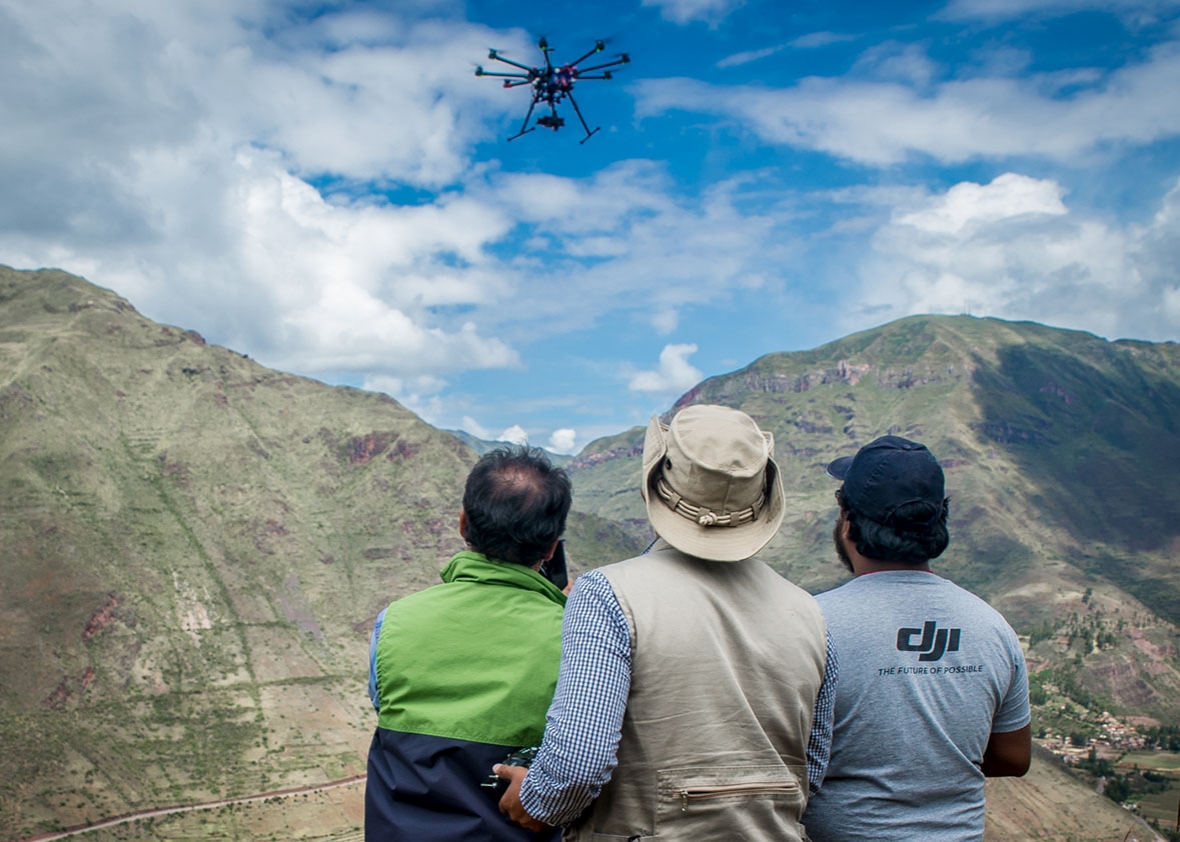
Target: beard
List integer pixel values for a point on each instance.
(838, 541)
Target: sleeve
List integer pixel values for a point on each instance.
(579, 751)
(819, 742)
(373, 697)
(1013, 713)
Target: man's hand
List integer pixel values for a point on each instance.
(510, 802)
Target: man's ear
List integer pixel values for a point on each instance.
(463, 524)
(549, 553)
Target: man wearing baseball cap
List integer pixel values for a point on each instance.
(695, 684)
(933, 693)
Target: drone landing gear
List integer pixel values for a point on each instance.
(524, 127)
(578, 111)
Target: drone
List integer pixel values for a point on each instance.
(551, 85)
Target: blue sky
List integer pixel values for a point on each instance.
(327, 187)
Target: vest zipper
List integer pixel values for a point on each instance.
(699, 792)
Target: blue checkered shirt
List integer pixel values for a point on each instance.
(586, 719)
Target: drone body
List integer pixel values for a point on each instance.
(550, 86)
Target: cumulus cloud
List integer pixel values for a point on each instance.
(1009, 195)
(884, 121)
(1013, 249)
(515, 434)
(674, 373)
(167, 151)
(563, 440)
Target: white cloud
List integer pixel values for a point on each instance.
(420, 394)
(884, 122)
(475, 428)
(665, 320)
(674, 374)
(1137, 11)
(688, 11)
(514, 434)
(563, 440)
(1014, 250)
(814, 40)
(179, 140)
(667, 252)
(894, 61)
(192, 141)
(738, 59)
(1007, 196)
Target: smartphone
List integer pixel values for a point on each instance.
(555, 569)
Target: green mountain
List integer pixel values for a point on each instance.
(193, 549)
(1059, 449)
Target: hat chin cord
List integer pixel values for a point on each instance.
(705, 516)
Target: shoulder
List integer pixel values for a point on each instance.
(641, 566)
(854, 590)
(972, 601)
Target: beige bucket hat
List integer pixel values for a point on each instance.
(710, 483)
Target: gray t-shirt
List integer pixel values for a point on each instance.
(928, 671)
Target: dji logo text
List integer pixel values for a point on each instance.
(933, 644)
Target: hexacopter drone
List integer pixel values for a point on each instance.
(550, 85)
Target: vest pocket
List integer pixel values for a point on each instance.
(724, 799)
(694, 794)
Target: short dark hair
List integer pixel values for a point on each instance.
(915, 534)
(516, 502)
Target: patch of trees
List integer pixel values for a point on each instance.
(1163, 737)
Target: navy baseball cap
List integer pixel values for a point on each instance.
(888, 473)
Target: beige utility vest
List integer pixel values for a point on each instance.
(726, 662)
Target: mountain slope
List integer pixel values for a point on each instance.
(1059, 449)
(193, 549)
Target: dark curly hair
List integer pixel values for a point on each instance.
(516, 503)
(915, 534)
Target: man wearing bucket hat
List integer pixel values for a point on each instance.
(693, 700)
(933, 692)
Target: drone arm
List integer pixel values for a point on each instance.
(498, 57)
(578, 61)
(504, 75)
(606, 76)
(601, 66)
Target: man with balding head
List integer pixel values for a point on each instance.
(462, 673)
